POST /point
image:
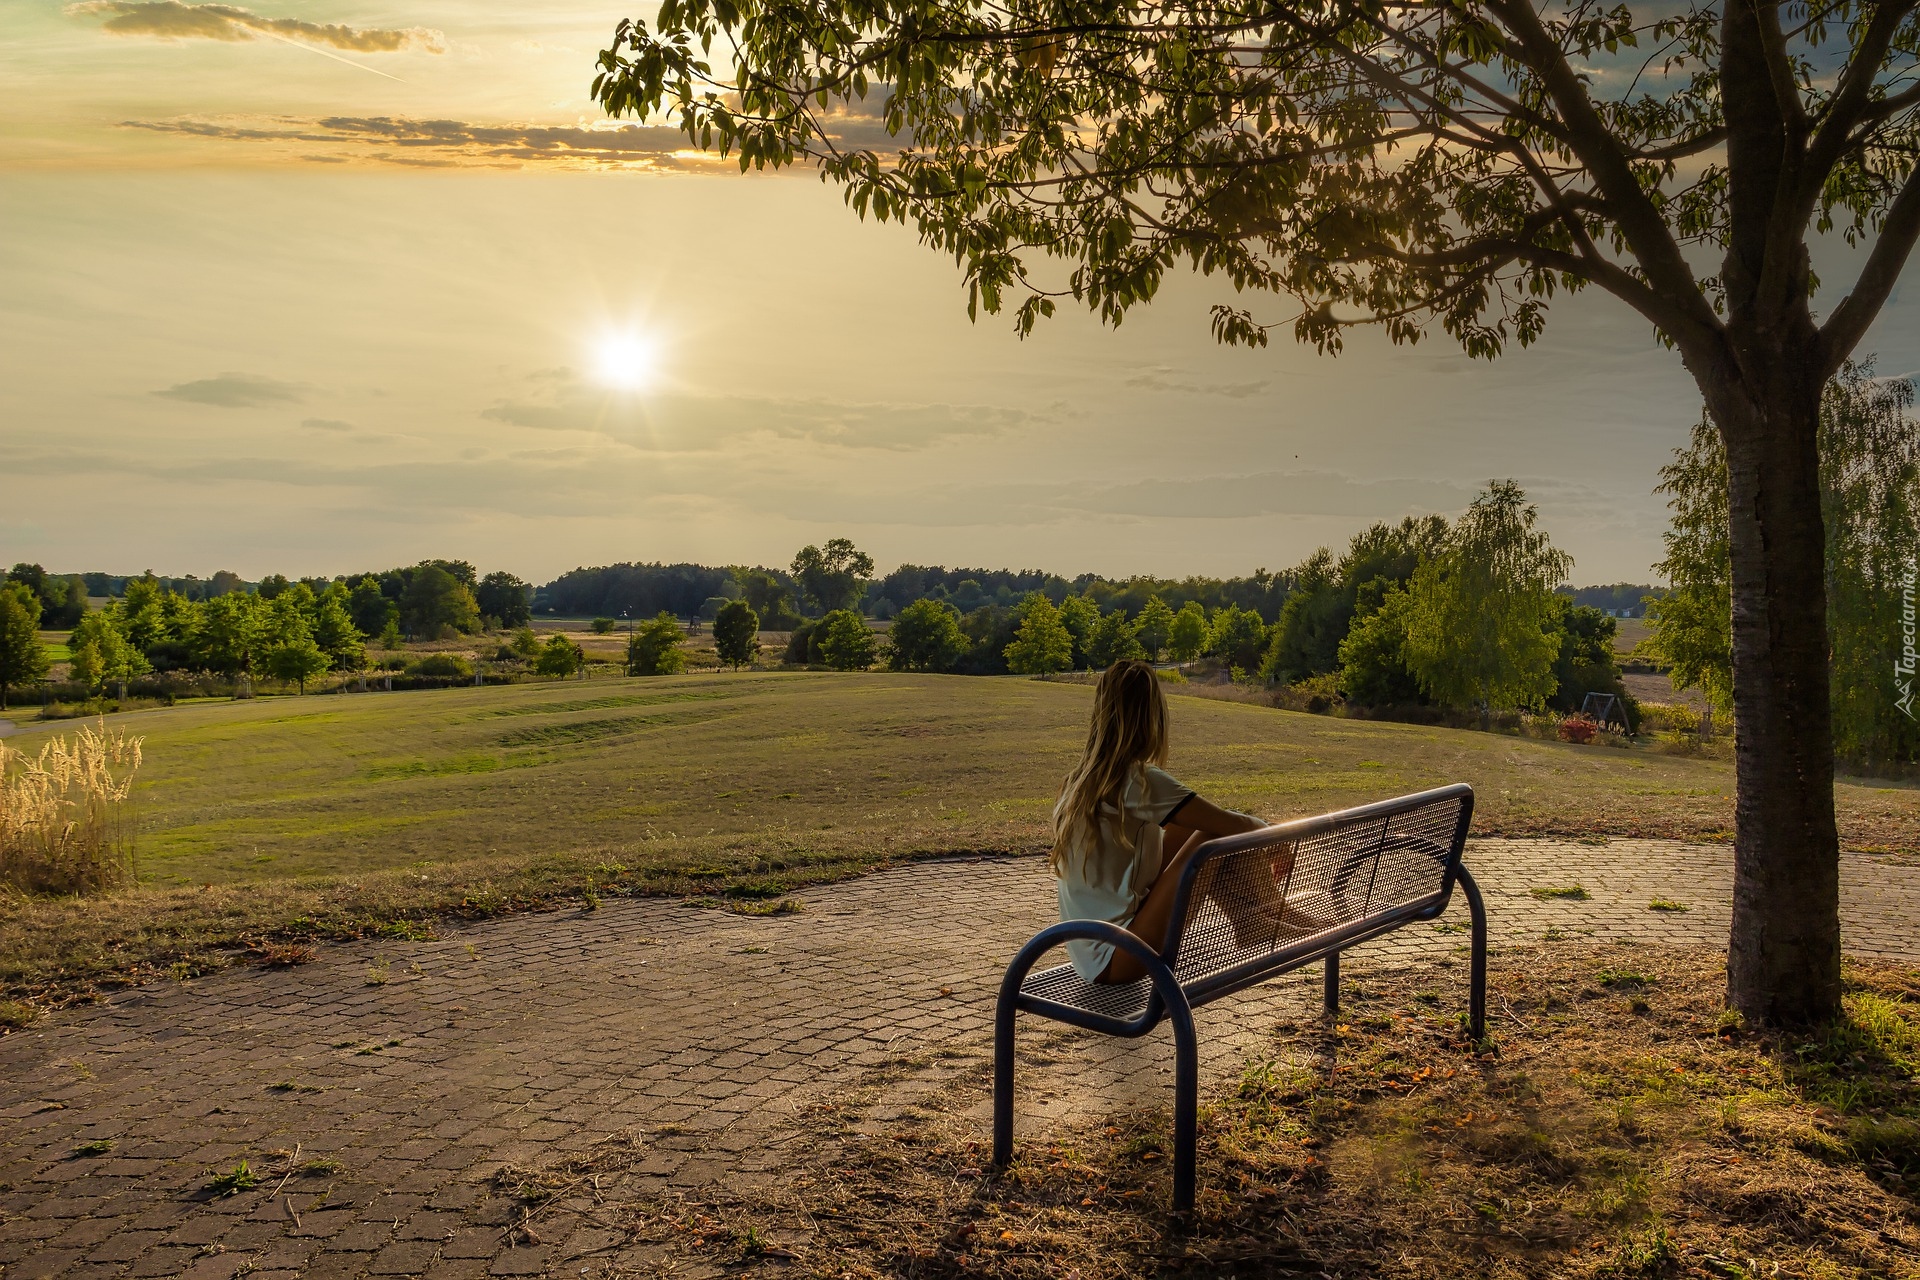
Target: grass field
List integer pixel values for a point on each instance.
(328, 814)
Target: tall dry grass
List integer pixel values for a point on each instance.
(65, 824)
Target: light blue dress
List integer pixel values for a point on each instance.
(1108, 872)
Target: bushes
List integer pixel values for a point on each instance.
(799, 650)
(560, 657)
(1578, 729)
(655, 648)
(844, 642)
(926, 637)
(64, 828)
(443, 666)
(841, 640)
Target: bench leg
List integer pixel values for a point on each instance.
(1477, 1010)
(1333, 984)
(1186, 1055)
(1186, 1104)
(1003, 1082)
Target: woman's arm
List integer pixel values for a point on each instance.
(1202, 815)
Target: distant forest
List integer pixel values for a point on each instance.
(642, 590)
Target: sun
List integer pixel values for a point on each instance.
(629, 361)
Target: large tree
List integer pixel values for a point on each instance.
(736, 633)
(833, 577)
(504, 598)
(1481, 623)
(1449, 164)
(23, 659)
(925, 637)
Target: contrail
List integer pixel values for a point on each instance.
(301, 44)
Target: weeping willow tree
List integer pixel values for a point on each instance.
(1870, 505)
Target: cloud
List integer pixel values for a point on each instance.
(1236, 497)
(235, 391)
(172, 20)
(567, 483)
(398, 140)
(1164, 379)
(326, 424)
(702, 424)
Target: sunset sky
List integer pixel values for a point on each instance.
(318, 288)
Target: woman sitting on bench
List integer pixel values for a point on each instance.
(1124, 830)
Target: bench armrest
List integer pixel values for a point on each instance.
(1083, 931)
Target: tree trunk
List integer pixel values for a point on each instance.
(1783, 957)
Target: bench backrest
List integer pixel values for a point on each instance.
(1354, 874)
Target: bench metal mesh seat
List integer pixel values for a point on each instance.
(1123, 1001)
(1248, 908)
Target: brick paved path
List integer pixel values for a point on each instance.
(421, 1068)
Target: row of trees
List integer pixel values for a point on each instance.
(837, 575)
(1462, 616)
(290, 629)
(1465, 616)
(59, 600)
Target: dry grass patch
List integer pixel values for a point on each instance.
(64, 824)
(1621, 1128)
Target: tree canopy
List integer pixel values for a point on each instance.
(736, 633)
(655, 648)
(23, 660)
(1042, 645)
(1870, 494)
(925, 637)
(844, 642)
(1480, 616)
(833, 576)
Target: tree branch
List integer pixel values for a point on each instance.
(1681, 150)
(1849, 102)
(1684, 313)
(1786, 89)
(1850, 320)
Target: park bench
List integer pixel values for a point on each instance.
(1356, 874)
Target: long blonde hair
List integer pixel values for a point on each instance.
(1129, 729)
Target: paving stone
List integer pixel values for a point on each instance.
(473, 1242)
(524, 1261)
(45, 1264)
(163, 1260)
(361, 1237)
(219, 1266)
(125, 1246)
(403, 1258)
